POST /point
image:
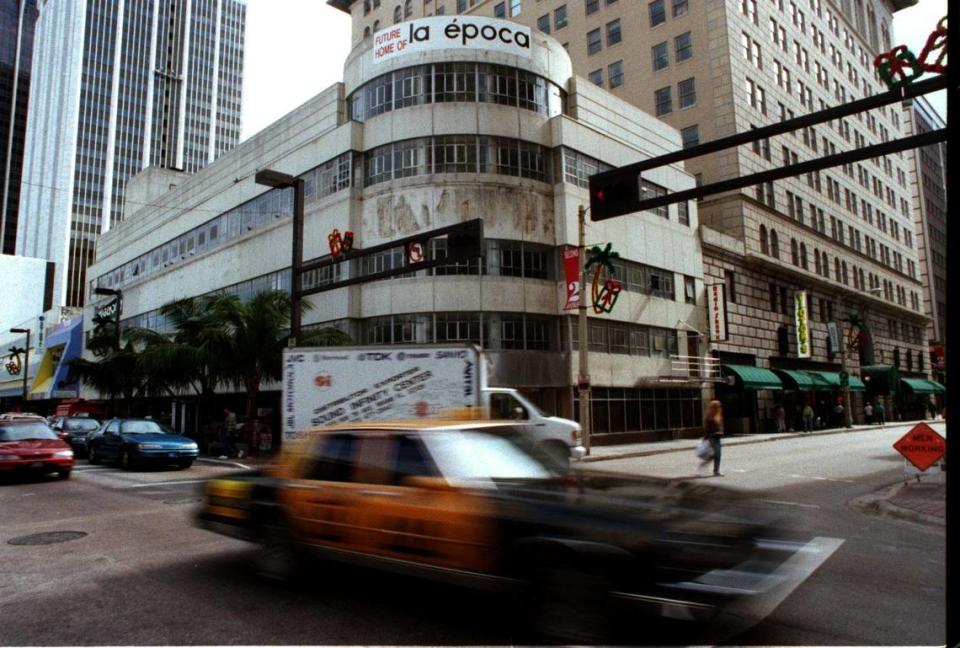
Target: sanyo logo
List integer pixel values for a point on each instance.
(458, 32)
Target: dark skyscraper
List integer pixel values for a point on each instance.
(17, 21)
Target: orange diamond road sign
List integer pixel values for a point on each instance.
(922, 446)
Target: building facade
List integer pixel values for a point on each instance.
(117, 87)
(844, 236)
(427, 139)
(17, 20)
(929, 180)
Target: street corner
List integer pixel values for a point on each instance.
(921, 502)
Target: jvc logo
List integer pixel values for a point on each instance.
(374, 356)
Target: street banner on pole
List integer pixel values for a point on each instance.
(571, 271)
(834, 332)
(717, 311)
(803, 330)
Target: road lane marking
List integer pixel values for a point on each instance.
(847, 481)
(167, 483)
(813, 506)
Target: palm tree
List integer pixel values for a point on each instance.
(118, 370)
(250, 346)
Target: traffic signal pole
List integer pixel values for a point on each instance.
(583, 379)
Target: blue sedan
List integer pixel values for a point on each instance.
(129, 442)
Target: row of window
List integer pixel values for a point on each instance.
(456, 82)
(626, 409)
(319, 182)
(686, 94)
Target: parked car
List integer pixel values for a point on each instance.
(30, 445)
(473, 504)
(12, 416)
(74, 430)
(129, 442)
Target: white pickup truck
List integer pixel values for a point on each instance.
(328, 385)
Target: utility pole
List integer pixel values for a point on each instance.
(583, 379)
(845, 383)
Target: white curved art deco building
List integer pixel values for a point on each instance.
(439, 131)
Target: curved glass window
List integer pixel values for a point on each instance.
(450, 82)
(456, 154)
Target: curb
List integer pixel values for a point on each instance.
(878, 504)
(727, 442)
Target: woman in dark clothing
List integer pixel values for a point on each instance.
(713, 430)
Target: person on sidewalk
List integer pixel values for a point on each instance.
(229, 433)
(713, 430)
(879, 412)
(868, 413)
(781, 419)
(808, 418)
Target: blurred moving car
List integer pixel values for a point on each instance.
(11, 416)
(30, 444)
(472, 503)
(129, 442)
(74, 430)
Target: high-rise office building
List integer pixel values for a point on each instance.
(118, 86)
(843, 236)
(17, 20)
(928, 173)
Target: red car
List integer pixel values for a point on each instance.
(27, 444)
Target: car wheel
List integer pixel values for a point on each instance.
(569, 604)
(63, 474)
(278, 557)
(185, 463)
(92, 455)
(125, 461)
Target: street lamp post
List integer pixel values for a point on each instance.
(117, 309)
(280, 180)
(845, 372)
(26, 362)
(583, 379)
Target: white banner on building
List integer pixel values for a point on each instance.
(717, 311)
(803, 326)
(451, 32)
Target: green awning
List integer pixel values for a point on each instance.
(796, 380)
(831, 380)
(857, 385)
(922, 386)
(755, 378)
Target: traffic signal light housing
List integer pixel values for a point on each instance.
(614, 193)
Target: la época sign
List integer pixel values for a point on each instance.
(454, 32)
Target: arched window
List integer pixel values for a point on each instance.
(366, 7)
(408, 8)
(774, 244)
(826, 265)
(376, 26)
(856, 278)
(794, 252)
(885, 32)
(896, 358)
(803, 256)
(816, 261)
(764, 242)
(836, 269)
(846, 279)
(397, 14)
(366, 31)
(376, 4)
(863, 286)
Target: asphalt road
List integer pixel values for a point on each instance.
(143, 575)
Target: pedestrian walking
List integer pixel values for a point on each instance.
(229, 433)
(932, 408)
(808, 418)
(879, 412)
(781, 419)
(868, 413)
(712, 431)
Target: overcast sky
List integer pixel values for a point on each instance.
(296, 48)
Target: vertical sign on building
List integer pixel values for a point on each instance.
(717, 311)
(800, 319)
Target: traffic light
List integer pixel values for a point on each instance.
(465, 241)
(614, 193)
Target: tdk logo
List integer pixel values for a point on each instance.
(374, 356)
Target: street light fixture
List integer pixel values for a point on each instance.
(279, 180)
(26, 363)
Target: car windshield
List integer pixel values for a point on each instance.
(466, 455)
(141, 427)
(82, 425)
(26, 432)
